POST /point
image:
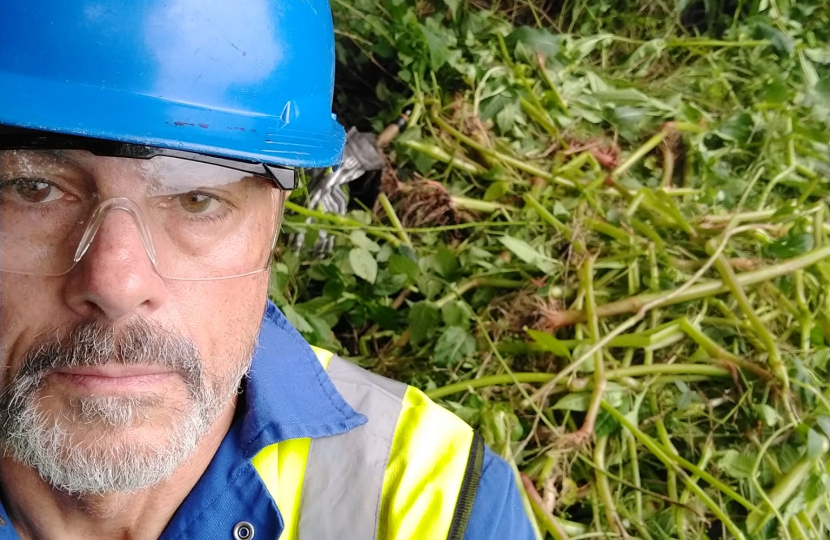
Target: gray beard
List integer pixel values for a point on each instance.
(109, 461)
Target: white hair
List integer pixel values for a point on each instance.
(111, 460)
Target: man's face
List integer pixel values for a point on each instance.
(111, 373)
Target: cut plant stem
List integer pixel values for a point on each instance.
(667, 457)
(557, 97)
(507, 160)
(340, 220)
(563, 229)
(706, 455)
(586, 278)
(717, 352)
(393, 218)
(784, 490)
(549, 523)
(702, 290)
(731, 281)
(478, 205)
(480, 281)
(608, 230)
(443, 156)
(673, 370)
(604, 488)
(639, 153)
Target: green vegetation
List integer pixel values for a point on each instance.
(603, 241)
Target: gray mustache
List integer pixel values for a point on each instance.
(95, 343)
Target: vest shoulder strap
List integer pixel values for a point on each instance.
(410, 472)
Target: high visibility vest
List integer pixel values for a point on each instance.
(411, 472)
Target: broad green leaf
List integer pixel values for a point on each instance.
(291, 262)
(816, 486)
(496, 191)
(359, 239)
(527, 253)
(423, 318)
(507, 117)
(782, 43)
(537, 39)
(633, 98)
(492, 105)
(816, 443)
(438, 47)
(384, 253)
(296, 320)
(737, 464)
(605, 424)
(768, 414)
(587, 45)
(388, 283)
(454, 345)
(446, 262)
(453, 5)
(323, 335)
(429, 285)
(399, 264)
(776, 91)
(795, 505)
(361, 216)
(457, 313)
(422, 162)
(385, 317)
(644, 57)
(560, 211)
(334, 289)
(789, 246)
(580, 401)
(819, 55)
(549, 343)
(737, 128)
(577, 401)
(363, 264)
(823, 422)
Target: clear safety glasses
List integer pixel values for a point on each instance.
(196, 219)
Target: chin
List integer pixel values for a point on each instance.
(96, 445)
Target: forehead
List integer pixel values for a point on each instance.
(82, 165)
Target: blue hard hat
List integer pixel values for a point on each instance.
(247, 79)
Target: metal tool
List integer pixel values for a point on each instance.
(362, 156)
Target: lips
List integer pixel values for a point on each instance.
(114, 371)
(115, 378)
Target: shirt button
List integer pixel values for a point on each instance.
(243, 531)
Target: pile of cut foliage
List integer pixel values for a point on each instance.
(602, 241)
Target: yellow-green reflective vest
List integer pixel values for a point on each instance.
(411, 472)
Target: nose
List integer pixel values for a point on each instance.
(115, 278)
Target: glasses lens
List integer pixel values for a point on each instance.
(195, 220)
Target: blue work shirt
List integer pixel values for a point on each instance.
(287, 396)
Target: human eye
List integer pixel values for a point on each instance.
(31, 190)
(199, 205)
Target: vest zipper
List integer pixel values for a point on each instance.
(469, 487)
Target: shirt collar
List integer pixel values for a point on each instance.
(288, 394)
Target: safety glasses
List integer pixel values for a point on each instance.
(197, 217)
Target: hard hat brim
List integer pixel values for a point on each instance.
(111, 114)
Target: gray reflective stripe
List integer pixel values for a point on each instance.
(344, 474)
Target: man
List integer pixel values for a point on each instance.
(149, 390)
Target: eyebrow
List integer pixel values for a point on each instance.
(55, 156)
(60, 155)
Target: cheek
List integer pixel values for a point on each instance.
(223, 317)
(29, 306)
